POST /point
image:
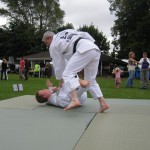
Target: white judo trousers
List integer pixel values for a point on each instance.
(89, 61)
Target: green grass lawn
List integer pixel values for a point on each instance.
(107, 86)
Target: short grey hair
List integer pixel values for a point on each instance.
(48, 34)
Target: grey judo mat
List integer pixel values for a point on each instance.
(125, 126)
(27, 125)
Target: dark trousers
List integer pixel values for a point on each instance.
(3, 72)
(26, 74)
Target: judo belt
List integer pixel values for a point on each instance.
(75, 44)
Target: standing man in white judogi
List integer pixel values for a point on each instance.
(79, 50)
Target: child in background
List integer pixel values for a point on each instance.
(117, 71)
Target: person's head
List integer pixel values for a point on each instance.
(117, 69)
(131, 55)
(42, 95)
(47, 38)
(4, 60)
(144, 55)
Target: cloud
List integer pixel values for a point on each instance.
(86, 12)
(2, 21)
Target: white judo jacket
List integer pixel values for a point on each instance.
(61, 48)
(63, 99)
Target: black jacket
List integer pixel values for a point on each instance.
(4, 66)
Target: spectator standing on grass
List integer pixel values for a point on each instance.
(48, 70)
(4, 69)
(131, 69)
(27, 68)
(144, 71)
(22, 69)
(36, 70)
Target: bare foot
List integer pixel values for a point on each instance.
(84, 83)
(103, 108)
(73, 104)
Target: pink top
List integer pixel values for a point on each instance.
(22, 64)
(117, 74)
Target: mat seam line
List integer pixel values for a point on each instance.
(84, 131)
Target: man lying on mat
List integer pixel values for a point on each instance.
(59, 96)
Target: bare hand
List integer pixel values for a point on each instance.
(48, 83)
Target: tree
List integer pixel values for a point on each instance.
(100, 39)
(131, 29)
(3, 37)
(28, 20)
(17, 39)
(67, 26)
(43, 14)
